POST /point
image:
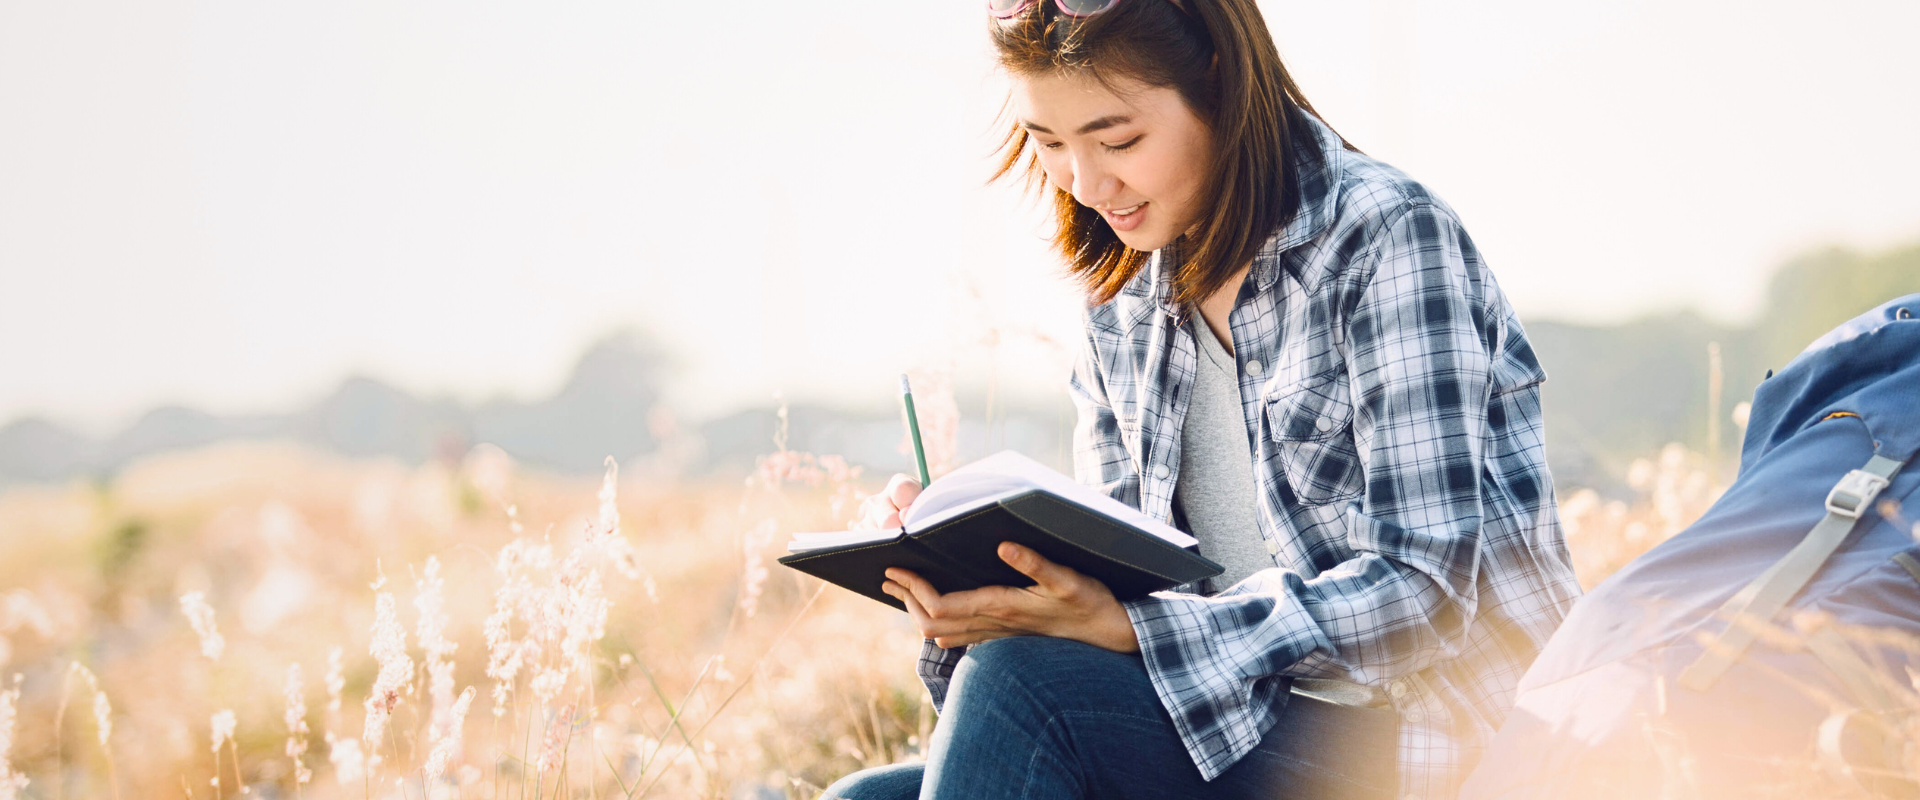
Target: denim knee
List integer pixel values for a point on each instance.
(891, 782)
(1031, 662)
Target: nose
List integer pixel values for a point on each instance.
(1093, 185)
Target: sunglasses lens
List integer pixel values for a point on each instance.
(1081, 8)
(1006, 8)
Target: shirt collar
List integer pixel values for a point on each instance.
(1318, 165)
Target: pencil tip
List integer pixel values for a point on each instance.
(903, 384)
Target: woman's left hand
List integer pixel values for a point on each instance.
(1062, 603)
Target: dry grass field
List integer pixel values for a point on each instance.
(257, 620)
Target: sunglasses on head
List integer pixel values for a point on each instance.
(1072, 8)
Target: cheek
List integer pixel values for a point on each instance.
(1058, 174)
(1193, 171)
(1170, 180)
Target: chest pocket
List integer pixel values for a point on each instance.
(1311, 423)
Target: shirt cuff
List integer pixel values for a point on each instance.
(936, 669)
(1212, 661)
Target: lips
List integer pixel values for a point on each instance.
(1126, 219)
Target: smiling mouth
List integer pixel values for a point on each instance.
(1129, 210)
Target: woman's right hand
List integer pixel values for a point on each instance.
(883, 510)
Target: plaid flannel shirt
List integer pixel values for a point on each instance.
(1402, 488)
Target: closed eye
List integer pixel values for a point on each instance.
(1118, 148)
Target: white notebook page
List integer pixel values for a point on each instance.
(984, 482)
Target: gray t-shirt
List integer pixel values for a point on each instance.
(1215, 487)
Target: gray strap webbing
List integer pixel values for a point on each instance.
(1754, 607)
(1908, 563)
(1861, 680)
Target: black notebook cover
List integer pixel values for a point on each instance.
(962, 553)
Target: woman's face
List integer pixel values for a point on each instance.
(1142, 152)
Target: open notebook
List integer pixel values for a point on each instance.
(951, 532)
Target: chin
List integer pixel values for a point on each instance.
(1144, 240)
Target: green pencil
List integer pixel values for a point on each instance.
(913, 426)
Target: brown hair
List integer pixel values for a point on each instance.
(1249, 103)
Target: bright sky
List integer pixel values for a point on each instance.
(234, 204)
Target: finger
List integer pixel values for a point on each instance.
(877, 511)
(920, 588)
(902, 490)
(952, 632)
(952, 605)
(988, 608)
(942, 631)
(914, 609)
(1054, 578)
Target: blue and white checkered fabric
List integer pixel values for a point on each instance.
(1394, 410)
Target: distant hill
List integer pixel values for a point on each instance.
(1617, 392)
(1613, 393)
(601, 410)
(607, 407)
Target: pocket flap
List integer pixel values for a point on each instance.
(1312, 410)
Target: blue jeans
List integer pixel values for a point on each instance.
(1041, 717)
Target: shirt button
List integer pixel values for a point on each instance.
(1160, 471)
(1273, 547)
(1253, 368)
(1324, 424)
(1416, 716)
(1397, 689)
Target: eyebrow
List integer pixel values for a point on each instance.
(1100, 124)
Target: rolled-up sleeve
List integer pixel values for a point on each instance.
(1418, 369)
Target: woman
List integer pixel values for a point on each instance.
(1350, 424)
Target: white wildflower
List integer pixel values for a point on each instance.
(102, 710)
(609, 504)
(296, 719)
(336, 681)
(20, 609)
(555, 747)
(194, 605)
(222, 725)
(349, 764)
(389, 648)
(548, 683)
(754, 575)
(446, 742)
(103, 716)
(586, 619)
(503, 652)
(430, 602)
(11, 783)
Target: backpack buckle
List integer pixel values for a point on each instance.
(1854, 493)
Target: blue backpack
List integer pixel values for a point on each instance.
(1765, 650)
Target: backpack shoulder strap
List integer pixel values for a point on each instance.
(1755, 605)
